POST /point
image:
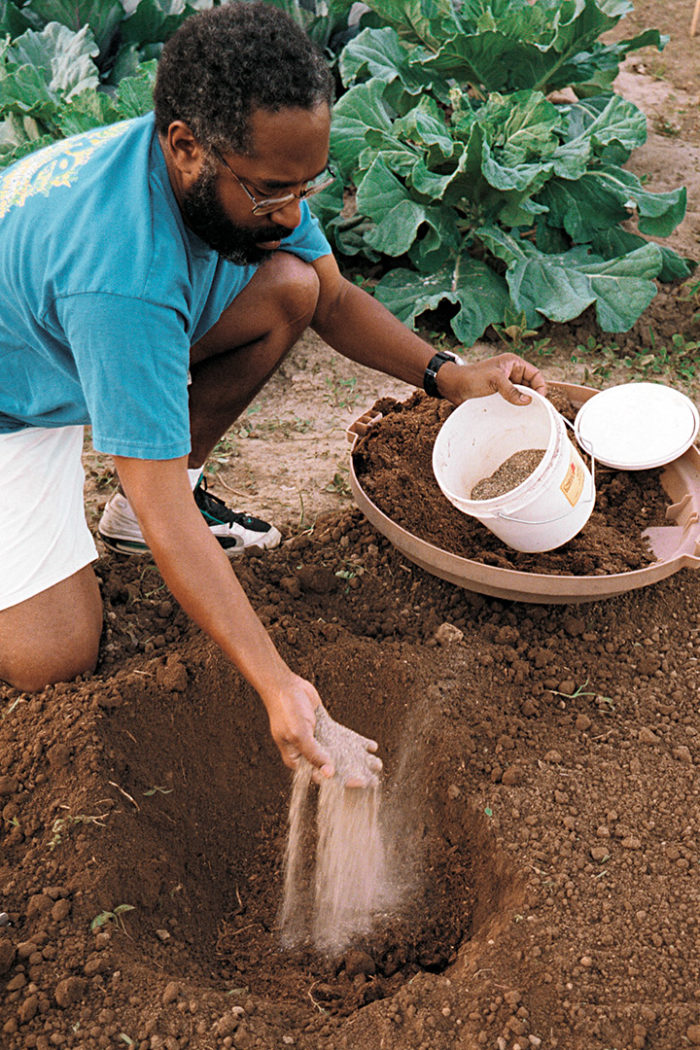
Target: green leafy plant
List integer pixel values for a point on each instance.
(70, 65)
(476, 190)
(111, 916)
(504, 45)
(325, 21)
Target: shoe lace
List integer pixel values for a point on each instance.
(211, 505)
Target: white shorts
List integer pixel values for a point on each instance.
(44, 537)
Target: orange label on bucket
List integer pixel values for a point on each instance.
(572, 485)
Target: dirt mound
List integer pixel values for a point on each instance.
(144, 819)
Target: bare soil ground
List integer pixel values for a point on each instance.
(542, 761)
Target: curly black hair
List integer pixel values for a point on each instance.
(223, 63)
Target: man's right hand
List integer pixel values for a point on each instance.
(292, 717)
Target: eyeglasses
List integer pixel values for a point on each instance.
(270, 204)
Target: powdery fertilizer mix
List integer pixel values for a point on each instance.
(509, 474)
(336, 880)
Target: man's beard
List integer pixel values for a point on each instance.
(204, 215)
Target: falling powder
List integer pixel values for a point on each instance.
(335, 872)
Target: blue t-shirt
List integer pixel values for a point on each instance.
(103, 289)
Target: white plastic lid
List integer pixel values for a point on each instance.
(637, 426)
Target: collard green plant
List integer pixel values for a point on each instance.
(472, 186)
(68, 65)
(504, 45)
(486, 193)
(326, 22)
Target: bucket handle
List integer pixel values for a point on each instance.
(549, 521)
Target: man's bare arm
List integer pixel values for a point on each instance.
(359, 327)
(201, 578)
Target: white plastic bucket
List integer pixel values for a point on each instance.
(545, 510)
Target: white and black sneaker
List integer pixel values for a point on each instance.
(120, 531)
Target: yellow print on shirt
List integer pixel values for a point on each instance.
(55, 165)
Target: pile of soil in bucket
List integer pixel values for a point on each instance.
(393, 463)
(540, 780)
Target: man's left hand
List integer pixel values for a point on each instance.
(495, 375)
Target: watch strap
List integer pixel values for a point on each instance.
(430, 375)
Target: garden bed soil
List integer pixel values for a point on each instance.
(541, 785)
(541, 762)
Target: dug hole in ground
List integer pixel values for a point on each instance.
(541, 768)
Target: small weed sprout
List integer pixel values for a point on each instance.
(515, 334)
(64, 824)
(347, 575)
(582, 691)
(602, 368)
(111, 916)
(525, 344)
(155, 589)
(102, 473)
(679, 359)
(440, 340)
(542, 347)
(339, 486)
(691, 291)
(664, 126)
(8, 710)
(579, 691)
(341, 393)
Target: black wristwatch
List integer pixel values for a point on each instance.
(430, 375)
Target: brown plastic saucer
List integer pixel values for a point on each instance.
(676, 546)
